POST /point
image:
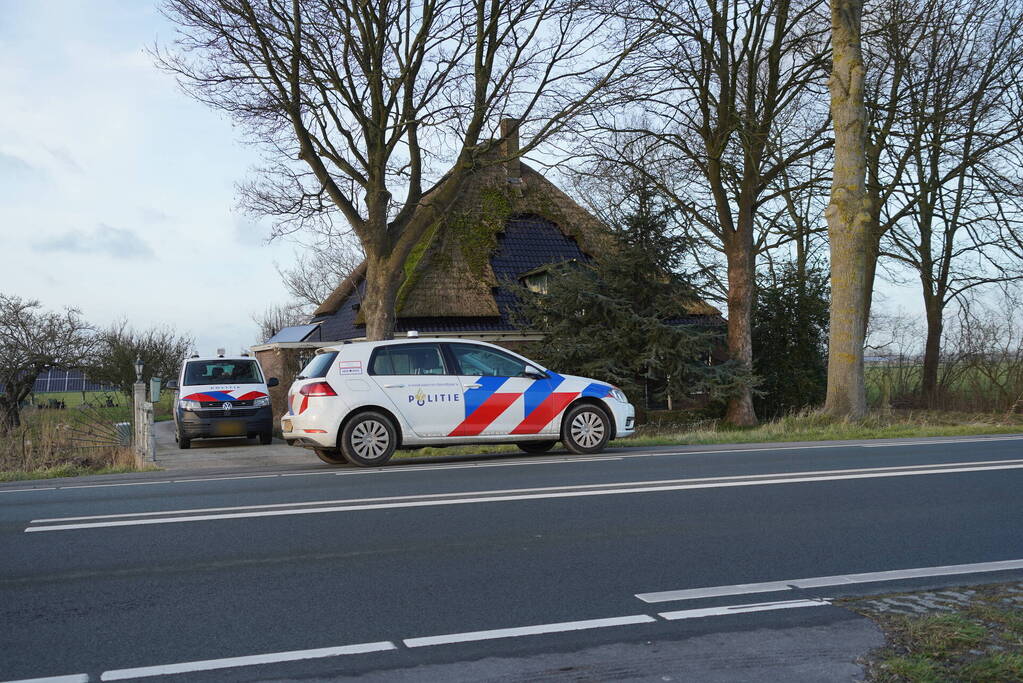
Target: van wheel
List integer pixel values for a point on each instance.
(331, 456)
(266, 438)
(184, 443)
(586, 429)
(369, 439)
(536, 446)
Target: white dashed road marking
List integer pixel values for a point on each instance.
(825, 581)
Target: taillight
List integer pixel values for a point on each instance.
(317, 389)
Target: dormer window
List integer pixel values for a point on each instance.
(536, 282)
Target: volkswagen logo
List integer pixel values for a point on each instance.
(226, 406)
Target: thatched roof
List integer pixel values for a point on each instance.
(449, 274)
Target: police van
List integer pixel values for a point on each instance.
(222, 396)
(359, 401)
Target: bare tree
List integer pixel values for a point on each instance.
(32, 340)
(848, 216)
(276, 317)
(161, 350)
(952, 206)
(369, 96)
(318, 269)
(724, 101)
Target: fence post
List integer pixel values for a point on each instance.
(150, 443)
(140, 441)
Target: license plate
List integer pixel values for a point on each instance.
(285, 425)
(229, 428)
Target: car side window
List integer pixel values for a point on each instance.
(484, 361)
(410, 359)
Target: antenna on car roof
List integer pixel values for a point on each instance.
(220, 353)
(413, 333)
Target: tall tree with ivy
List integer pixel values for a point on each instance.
(623, 317)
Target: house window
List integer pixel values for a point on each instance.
(536, 282)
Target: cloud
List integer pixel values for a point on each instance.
(14, 168)
(116, 242)
(152, 215)
(63, 156)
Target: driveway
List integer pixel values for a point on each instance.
(225, 453)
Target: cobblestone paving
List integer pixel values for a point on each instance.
(949, 600)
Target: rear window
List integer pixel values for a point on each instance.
(318, 366)
(222, 372)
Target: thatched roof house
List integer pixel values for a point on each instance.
(507, 225)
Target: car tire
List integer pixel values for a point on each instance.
(183, 443)
(369, 439)
(331, 456)
(536, 446)
(586, 429)
(266, 438)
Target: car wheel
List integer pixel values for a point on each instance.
(184, 443)
(586, 429)
(369, 439)
(331, 456)
(536, 446)
(266, 438)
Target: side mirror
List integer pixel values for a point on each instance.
(272, 382)
(534, 373)
(172, 385)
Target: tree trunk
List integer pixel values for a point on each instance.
(10, 415)
(383, 278)
(739, 253)
(848, 215)
(932, 353)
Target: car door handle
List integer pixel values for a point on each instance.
(394, 386)
(473, 386)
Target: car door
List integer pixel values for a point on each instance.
(499, 398)
(416, 380)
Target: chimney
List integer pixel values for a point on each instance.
(510, 148)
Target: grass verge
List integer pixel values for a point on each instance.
(799, 427)
(961, 634)
(69, 469)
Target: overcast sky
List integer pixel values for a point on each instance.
(117, 192)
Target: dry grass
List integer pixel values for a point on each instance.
(815, 426)
(58, 443)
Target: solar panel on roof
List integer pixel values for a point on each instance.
(295, 333)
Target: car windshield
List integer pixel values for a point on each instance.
(222, 372)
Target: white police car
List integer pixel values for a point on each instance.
(222, 396)
(360, 401)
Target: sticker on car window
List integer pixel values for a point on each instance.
(350, 367)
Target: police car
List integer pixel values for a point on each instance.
(222, 396)
(360, 401)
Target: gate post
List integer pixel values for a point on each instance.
(140, 441)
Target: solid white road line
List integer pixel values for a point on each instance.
(575, 487)
(886, 444)
(253, 660)
(527, 630)
(824, 581)
(516, 497)
(740, 609)
(71, 678)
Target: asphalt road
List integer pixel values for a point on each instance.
(713, 563)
